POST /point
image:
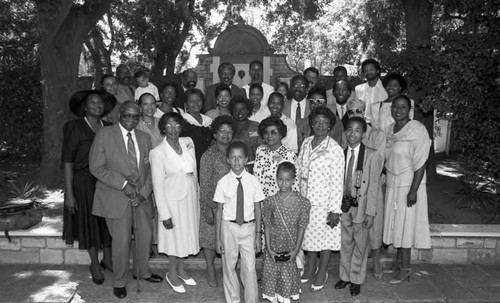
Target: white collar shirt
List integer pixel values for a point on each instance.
(226, 193)
(293, 109)
(125, 140)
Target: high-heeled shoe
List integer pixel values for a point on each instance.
(378, 275)
(393, 269)
(318, 288)
(404, 274)
(304, 281)
(96, 274)
(180, 289)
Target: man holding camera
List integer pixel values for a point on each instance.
(361, 186)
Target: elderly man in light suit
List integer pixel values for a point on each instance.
(362, 175)
(119, 160)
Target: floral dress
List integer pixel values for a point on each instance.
(213, 167)
(321, 173)
(282, 279)
(266, 164)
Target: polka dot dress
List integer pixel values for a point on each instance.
(321, 172)
(282, 279)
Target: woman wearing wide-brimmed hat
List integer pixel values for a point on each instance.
(90, 231)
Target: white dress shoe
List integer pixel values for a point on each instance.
(180, 289)
(190, 281)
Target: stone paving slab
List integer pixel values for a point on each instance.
(429, 283)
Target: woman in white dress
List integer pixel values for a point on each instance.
(175, 186)
(321, 172)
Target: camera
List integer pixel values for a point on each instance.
(282, 257)
(348, 201)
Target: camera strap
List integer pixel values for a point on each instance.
(359, 166)
(283, 219)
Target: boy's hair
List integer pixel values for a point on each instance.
(286, 166)
(140, 73)
(359, 120)
(237, 145)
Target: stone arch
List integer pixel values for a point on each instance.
(241, 39)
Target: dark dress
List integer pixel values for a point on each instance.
(87, 229)
(213, 167)
(202, 137)
(250, 136)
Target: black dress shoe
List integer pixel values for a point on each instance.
(94, 273)
(105, 267)
(153, 279)
(341, 284)
(355, 289)
(120, 292)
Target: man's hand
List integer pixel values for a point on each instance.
(70, 203)
(130, 190)
(168, 224)
(258, 242)
(137, 200)
(368, 222)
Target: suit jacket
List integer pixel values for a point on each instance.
(303, 129)
(211, 101)
(108, 163)
(169, 178)
(368, 193)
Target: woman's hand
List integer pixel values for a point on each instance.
(292, 255)
(70, 203)
(209, 217)
(168, 223)
(272, 254)
(412, 198)
(219, 248)
(332, 219)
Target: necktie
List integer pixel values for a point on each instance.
(342, 111)
(132, 158)
(298, 113)
(240, 213)
(348, 182)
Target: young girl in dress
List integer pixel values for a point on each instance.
(285, 216)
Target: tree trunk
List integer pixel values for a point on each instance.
(158, 67)
(64, 28)
(170, 66)
(418, 17)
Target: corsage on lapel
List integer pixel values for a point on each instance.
(277, 158)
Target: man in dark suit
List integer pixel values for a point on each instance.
(226, 73)
(298, 108)
(189, 80)
(343, 93)
(119, 159)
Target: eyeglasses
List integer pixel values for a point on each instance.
(299, 86)
(356, 111)
(225, 131)
(174, 126)
(318, 101)
(274, 132)
(129, 116)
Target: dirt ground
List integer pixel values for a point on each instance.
(441, 188)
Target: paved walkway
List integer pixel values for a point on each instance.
(429, 283)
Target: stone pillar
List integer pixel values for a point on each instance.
(213, 68)
(268, 71)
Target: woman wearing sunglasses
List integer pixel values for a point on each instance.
(317, 98)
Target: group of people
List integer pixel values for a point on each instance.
(294, 171)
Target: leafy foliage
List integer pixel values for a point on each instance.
(23, 188)
(20, 80)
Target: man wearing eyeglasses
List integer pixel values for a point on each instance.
(119, 159)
